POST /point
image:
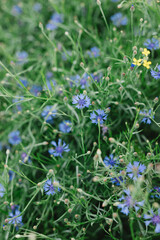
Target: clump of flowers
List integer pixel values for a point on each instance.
(155, 192)
(49, 113)
(98, 116)
(135, 170)
(153, 218)
(14, 137)
(65, 126)
(152, 44)
(59, 148)
(119, 20)
(144, 61)
(50, 188)
(156, 74)
(147, 115)
(128, 203)
(81, 101)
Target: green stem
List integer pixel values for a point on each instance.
(99, 135)
(131, 227)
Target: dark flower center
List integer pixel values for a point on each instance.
(112, 161)
(16, 138)
(51, 188)
(152, 45)
(156, 219)
(59, 149)
(82, 102)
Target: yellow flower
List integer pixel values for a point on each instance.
(137, 62)
(146, 64)
(145, 52)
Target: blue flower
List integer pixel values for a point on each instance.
(118, 19)
(115, 0)
(110, 161)
(49, 188)
(132, 65)
(24, 82)
(97, 76)
(66, 55)
(98, 115)
(155, 74)
(35, 90)
(25, 158)
(16, 10)
(2, 190)
(152, 44)
(81, 101)
(134, 171)
(0, 146)
(49, 75)
(54, 21)
(129, 203)
(154, 219)
(37, 7)
(117, 181)
(59, 149)
(84, 81)
(65, 126)
(11, 175)
(49, 85)
(49, 80)
(74, 80)
(49, 113)
(146, 119)
(14, 138)
(22, 57)
(94, 52)
(18, 105)
(17, 221)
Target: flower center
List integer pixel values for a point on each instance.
(112, 162)
(59, 149)
(82, 102)
(99, 117)
(51, 187)
(156, 219)
(129, 201)
(83, 81)
(152, 45)
(15, 138)
(135, 170)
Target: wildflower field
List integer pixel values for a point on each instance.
(80, 119)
